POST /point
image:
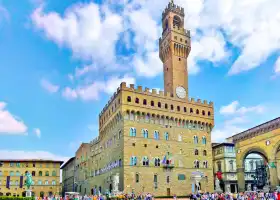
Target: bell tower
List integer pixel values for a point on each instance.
(174, 49)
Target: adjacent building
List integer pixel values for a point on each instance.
(149, 141)
(68, 176)
(224, 160)
(45, 175)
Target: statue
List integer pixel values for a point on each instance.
(28, 183)
(217, 182)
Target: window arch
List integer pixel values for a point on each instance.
(185, 109)
(47, 173)
(205, 164)
(166, 106)
(53, 182)
(156, 135)
(145, 161)
(204, 153)
(137, 178)
(157, 162)
(159, 104)
(40, 173)
(137, 100)
(128, 98)
(209, 113)
(144, 102)
(33, 173)
(172, 107)
(53, 173)
(196, 164)
(167, 179)
(39, 182)
(195, 139)
(203, 112)
(132, 132)
(203, 140)
(197, 111)
(47, 182)
(12, 173)
(152, 103)
(176, 21)
(133, 160)
(196, 152)
(178, 108)
(191, 110)
(145, 133)
(166, 136)
(17, 173)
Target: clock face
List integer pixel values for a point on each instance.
(181, 92)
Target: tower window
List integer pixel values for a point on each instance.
(196, 152)
(197, 111)
(159, 104)
(191, 110)
(178, 108)
(172, 107)
(179, 59)
(209, 113)
(136, 100)
(128, 99)
(185, 109)
(203, 112)
(145, 102)
(152, 103)
(176, 21)
(166, 106)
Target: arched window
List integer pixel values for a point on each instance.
(128, 99)
(40, 173)
(53, 173)
(152, 103)
(156, 135)
(157, 162)
(133, 160)
(204, 153)
(53, 183)
(166, 24)
(159, 104)
(205, 164)
(185, 109)
(203, 112)
(12, 173)
(46, 182)
(137, 178)
(209, 113)
(197, 111)
(145, 133)
(39, 182)
(195, 139)
(178, 108)
(172, 108)
(176, 21)
(33, 173)
(145, 161)
(132, 132)
(17, 173)
(166, 106)
(191, 110)
(144, 102)
(167, 179)
(203, 140)
(166, 136)
(196, 164)
(136, 100)
(47, 173)
(196, 152)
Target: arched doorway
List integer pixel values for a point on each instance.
(23, 194)
(42, 194)
(110, 188)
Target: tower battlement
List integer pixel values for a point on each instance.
(154, 93)
(173, 8)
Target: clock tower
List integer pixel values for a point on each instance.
(174, 49)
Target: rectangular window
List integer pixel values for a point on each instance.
(181, 177)
(11, 164)
(18, 164)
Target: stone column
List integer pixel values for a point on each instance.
(241, 179)
(273, 178)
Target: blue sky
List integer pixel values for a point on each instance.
(60, 61)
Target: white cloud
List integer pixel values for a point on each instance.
(10, 154)
(90, 31)
(92, 91)
(49, 86)
(10, 124)
(233, 108)
(277, 66)
(4, 14)
(219, 135)
(37, 132)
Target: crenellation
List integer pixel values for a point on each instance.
(161, 93)
(205, 102)
(154, 91)
(147, 90)
(192, 100)
(198, 100)
(131, 86)
(139, 89)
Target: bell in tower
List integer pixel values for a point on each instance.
(174, 49)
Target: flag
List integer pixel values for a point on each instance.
(164, 160)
